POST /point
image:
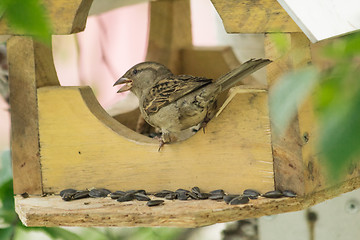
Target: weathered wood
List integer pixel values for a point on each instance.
(52, 211)
(248, 16)
(289, 165)
(30, 66)
(91, 149)
(170, 31)
(129, 119)
(211, 62)
(66, 17)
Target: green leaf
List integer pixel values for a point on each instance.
(8, 215)
(6, 195)
(5, 170)
(6, 233)
(162, 233)
(343, 48)
(280, 41)
(338, 102)
(27, 16)
(59, 233)
(288, 94)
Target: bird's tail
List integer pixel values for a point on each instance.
(229, 79)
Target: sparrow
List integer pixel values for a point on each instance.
(174, 103)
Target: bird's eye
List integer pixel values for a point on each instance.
(135, 71)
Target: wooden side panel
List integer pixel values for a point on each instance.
(88, 148)
(170, 31)
(249, 16)
(66, 17)
(210, 62)
(30, 66)
(290, 157)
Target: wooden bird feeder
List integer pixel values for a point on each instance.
(62, 138)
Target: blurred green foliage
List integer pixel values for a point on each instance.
(336, 98)
(27, 16)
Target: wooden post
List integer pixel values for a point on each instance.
(30, 67)
(170, 31)
(296, 166)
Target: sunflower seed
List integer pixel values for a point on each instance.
(141, 197)
(182, 190)
(117, 194)
(163, 193)
(100, 192)
(273, 194)
(125, 198)
(25, 195)
(228, 198)
(195, 190)
(69, 190)
(203, 195)
(171, 196)
(81, 194)
(68, 196)
(217, 192)
(192, 195)
(289, 193)
(153, 203)
(239, 200)
(216, 197)
(252, 194)
(182, 195)
(142, 191)
(131, 191)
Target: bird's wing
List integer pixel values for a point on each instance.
(171, 89)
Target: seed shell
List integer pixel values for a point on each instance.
(273, 194)
(289, 193)
(81, 194)
(228, 198)
(69, 190)
(100, 192)
(216, 197)
(141, 197)
(127, 197)
(163, 193)
(153, 203)
(171, 196)
(252, 194)
(217, 192)
(239, 200)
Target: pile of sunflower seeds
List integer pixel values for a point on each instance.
(180, 194)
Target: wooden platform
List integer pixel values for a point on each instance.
(105, 212)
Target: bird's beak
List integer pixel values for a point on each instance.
(128, 84)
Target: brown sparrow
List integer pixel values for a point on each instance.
(174, 103)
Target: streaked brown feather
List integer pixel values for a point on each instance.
(170, 89)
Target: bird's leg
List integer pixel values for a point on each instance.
(161, 142)
(204, 123)
(165, 138)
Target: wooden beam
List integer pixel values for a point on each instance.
(30, 66)
(248, 16)
(66, 17)
(289, 162)
(170, 31)
(104, 212)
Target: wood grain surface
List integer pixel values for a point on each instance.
(81, 146)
